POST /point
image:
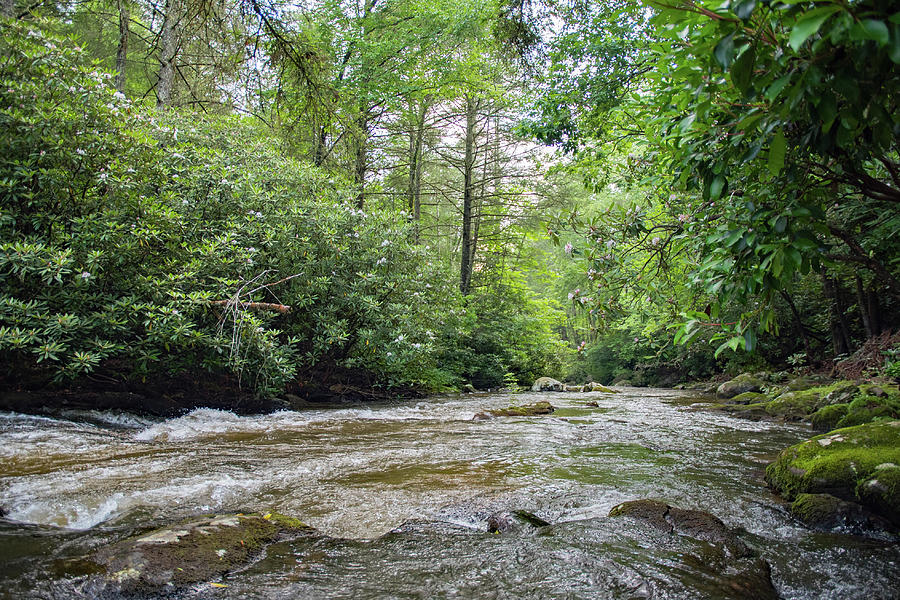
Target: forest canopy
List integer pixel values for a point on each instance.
(398, 196)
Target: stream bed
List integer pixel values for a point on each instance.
(74, 482)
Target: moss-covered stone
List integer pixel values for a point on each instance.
(881, 491)
(526, 410)
(747, 411)
(866, 408)
(593, 386)
(806, 382)
(824, 511)
(801, 404)
(749, 398)
(739, 385)
(195, 551)
(514, 521)
(840, 463)
(827, 417)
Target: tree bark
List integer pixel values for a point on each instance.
(416, 165)
(122, 50)
(362, 156)
(168, 53)
(466, 243)
(837, 322)
(8, 9)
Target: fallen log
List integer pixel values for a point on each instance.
(279, 308)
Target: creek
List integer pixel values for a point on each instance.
(75, 481)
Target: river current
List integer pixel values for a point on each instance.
(78, 480)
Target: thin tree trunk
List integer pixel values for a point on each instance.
(840, 342)
(466, 245)
(416, 165)
(863, 303)
(362, 156)
(874, 308)
(167, 54)
(122, 50)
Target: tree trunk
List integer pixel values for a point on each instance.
(863, 303)
(416, 165)
(168, 52)
(466, 243)
(8, 9)
(837, 323)
(362, 156)
(122, 50)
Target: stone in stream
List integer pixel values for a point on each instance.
(514, 521)
(525, 410)
(855, 464)
(737, 572)
(739, 385)
(194, 552)
(547, 384)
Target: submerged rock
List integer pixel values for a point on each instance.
(526, 410)
(824, 511)
(691, 523)
(514, 521)
(749, 398)
(857, 464)
(736, 571)
(547, 384)
(739, 385)
(188, 553)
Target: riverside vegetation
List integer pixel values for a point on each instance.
(243, 206)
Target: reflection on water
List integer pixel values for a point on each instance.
(72, 483)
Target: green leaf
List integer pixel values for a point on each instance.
(744, 9)
(809, 24)
(742, 72)
(716, 187)
(724, 51)
(777, 151)
(775, 89)
(871, 29)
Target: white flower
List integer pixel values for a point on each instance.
(85, 275)
(655, 241)
(381, 261)
(79, 151)
(568, 248)
(385, 243)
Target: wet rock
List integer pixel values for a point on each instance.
(547, 384)
(514, 521)
(841, 393)
(734, 569)
(806, 382)
(749, 398)
(469, 389)
(827, 417)
(197, 551)
(592, 404)
(691, 523)
(855, 464)
(573, 388)
(526, 410)
(597, 387)
(754, 412)
(739, 385)
(824, 511)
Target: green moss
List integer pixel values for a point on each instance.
(527, 410)
(838, 463)
(866, 408)
(286, 522)
(881, 491)
(827, 417)
(749, 398)
(800, 404)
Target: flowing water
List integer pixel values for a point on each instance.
(72, 483)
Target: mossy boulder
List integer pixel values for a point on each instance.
(753, 412)
(827, 417)
(866, 407)
(526, 410)
(739, 385)
(749, 398)
(193, 552)
(843, 463)
(597, 387)
(824, 511)
(806, 382)
(801, 404)
(547, 384)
